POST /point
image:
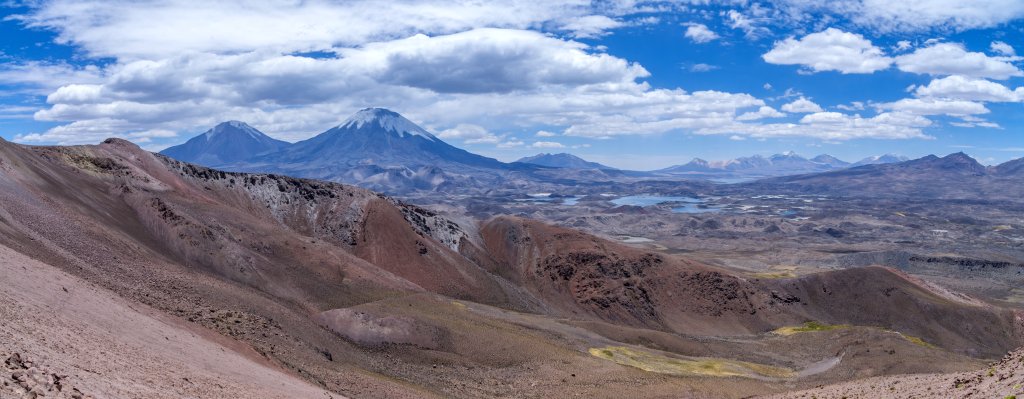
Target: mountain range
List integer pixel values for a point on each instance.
(381, 150)
(305, 285)
(954, 176)
(757, 166)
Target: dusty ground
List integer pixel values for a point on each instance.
(73, 338)
(339, 288)
(1004, 379)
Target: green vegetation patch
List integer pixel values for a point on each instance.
(916, 340)
(773, 275)
(705, 367)
(810, 326)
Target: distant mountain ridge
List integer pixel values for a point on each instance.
(562, 160)
(381, 150)
(228, 142)
(756, 166)
(954, 176)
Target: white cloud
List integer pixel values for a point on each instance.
(140, 29)
(43, 77)
(750, 23)
(964, 88)
(761, 113)
(829, 50)
(1002, 48)
(834, 126)
(889, 16)
(853, 106)
(801, 106)
(662, 111)
(591, 26)
(914, 15)
(989, 125)
(544, 133)
(699, 33)
(488, 60)
(464, 68)
(702, 68)
(511, 143)
(954, 59)
(84, 132)
(470, 134)
(919, 106)
(547, 144)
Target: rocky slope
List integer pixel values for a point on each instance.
(361, 295)
(1003, 379)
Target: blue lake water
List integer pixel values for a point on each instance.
(648, 200)
(693, 208)
(544, 197)
(690, 204)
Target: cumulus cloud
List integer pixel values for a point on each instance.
(1002, 48)
(852, 106)
(511, 143)
(829, 50)
(465, 69)
(954, 59)
(84, 132)
(761, 113)
(888, 16)
(42, 77)
(470, 134)
(547, 144)
(925, 106)
(971, 89)
(917, 15)
(488, 60)
(801, 106)
(699, 33)
(591, 26)
(128, 29)
(544, 133)
(834, 126)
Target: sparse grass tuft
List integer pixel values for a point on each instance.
(773, 275)
(810, 326)
(708, 367)
(917, 341)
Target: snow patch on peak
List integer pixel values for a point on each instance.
(233, 125)
(387, 120)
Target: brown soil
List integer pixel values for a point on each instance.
(243, 282)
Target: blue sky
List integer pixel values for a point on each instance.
(631, 84)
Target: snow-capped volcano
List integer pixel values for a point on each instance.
(381, 149)
(386, 121)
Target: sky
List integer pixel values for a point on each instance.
(631, 84)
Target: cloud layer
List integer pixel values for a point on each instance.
(480, 73)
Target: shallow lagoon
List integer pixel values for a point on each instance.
(689, 204)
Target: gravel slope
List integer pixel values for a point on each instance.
(70, 339)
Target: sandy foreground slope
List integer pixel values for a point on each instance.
(79, 340)
(1004, 379)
